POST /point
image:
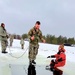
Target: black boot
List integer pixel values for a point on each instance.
(33, 62)
(4, 52)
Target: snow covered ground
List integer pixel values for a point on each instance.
(17, 56)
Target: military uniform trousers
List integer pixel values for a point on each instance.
(11, 43)
(22, 46)
(33, 51)
(4, 45)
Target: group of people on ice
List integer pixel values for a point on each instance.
(35, 34)
(4, 39)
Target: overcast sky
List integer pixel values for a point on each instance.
(57, 17)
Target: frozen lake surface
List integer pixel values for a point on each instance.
(16, 62)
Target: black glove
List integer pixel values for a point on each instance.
(48, 56)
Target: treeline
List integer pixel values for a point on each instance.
(51, 39)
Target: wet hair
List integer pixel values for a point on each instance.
(38, 22)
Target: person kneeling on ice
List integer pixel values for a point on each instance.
(60, 58)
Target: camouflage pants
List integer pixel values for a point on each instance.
(11, 43)
(22, 46)
(33, 51)
(4, 44)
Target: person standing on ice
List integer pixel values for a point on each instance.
(3, 38)
(60, 58)
(22, 43)
(11, 39)
(34, 35)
